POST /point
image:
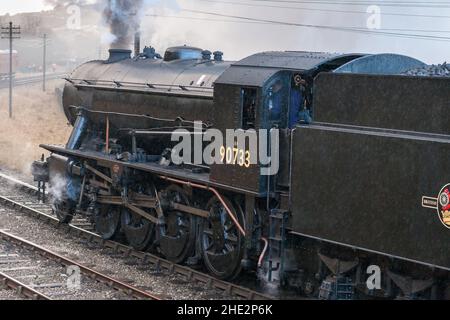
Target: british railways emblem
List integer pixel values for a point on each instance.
(441, 204)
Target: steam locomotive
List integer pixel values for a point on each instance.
(362, 151)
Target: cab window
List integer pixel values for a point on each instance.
(248, 101)
(276, 103)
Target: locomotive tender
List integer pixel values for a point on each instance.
(363, 154)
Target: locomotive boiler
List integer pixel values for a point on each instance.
(362, 150)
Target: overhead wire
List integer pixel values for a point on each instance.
(403, 4)
(273, 6)
(268, 23)
(332, 28)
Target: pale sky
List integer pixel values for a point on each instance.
(17, 6)
(239, 40)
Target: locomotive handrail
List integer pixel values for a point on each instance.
(158, 129)
(197, 93)
(149, 132)
(179, 119)
(117, 83)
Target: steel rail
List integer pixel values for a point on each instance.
(7, 281)
(31, 80)
(145, 258)
(95, 275)
(18, 182)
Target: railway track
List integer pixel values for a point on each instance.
(8, 282)
(83, 229)
(30, 262)
(29, 80)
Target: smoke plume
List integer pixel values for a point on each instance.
(123, 18)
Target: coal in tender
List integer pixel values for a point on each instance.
(440, 70)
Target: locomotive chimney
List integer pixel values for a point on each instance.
(116, 55)
(137, 43)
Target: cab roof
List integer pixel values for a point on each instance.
(256, 69)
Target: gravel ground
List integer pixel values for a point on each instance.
(49, 277)
(6, 294)
(165, 285)
(38, 117)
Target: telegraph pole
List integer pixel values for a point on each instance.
(44, 63)
(11, 32)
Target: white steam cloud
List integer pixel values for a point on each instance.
(57, 187)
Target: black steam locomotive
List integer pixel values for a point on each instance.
(363, 165)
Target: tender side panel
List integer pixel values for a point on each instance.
(365, 189)
(419, 104)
